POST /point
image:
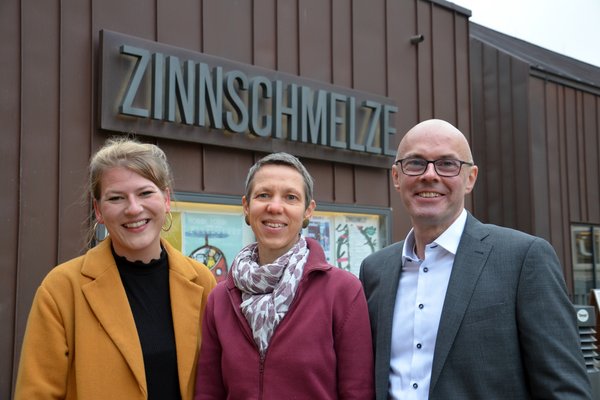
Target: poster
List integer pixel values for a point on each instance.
(355, 238)
(320, 229)
(214, 234)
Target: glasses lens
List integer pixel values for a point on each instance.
(447, 167)
(414, 166)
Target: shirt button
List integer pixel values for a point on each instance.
(418, 345)
(415, 385)
(421, 306)
(425, 269)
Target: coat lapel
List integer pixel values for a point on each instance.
(186, 307)
(107, 299)
(390, 278)
(469, 261)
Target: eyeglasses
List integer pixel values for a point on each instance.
(447, 167)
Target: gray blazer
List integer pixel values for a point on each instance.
(507, 329)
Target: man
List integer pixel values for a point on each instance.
(461, 309)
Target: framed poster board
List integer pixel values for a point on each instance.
(211, 229)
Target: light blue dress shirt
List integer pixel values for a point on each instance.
(419, 302)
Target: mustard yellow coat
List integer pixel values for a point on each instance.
(81, 341)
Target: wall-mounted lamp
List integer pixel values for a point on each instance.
(416, 39)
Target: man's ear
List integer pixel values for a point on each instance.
(396, 178)
(471, 179)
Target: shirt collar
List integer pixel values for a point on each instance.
(449, 239)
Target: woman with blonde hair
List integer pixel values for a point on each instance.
(121, 321)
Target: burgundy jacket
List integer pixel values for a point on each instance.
(320, 350)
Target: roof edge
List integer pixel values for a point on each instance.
(451, 6)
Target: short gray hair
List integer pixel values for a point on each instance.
(285, 159)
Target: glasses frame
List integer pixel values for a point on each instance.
(470, 164)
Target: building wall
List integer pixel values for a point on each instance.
(537, 137)
(49, 102)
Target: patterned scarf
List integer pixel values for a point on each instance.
(267, 290)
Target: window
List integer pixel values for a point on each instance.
(586, 261)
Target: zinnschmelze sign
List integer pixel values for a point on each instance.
(165, 91)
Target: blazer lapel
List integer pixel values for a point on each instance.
(390, 278)
(469, 261)
(107, 299)
(186, 307)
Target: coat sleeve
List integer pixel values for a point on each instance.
(45, 354)
(547, 329)
(209, 378)
(353, 348)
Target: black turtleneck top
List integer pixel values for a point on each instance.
(147, 288)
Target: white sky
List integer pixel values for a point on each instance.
(569, 27)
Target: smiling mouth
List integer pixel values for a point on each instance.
(136, 224)
(429, 195)
(274, 224)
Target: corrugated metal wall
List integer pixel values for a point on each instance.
(49, 89)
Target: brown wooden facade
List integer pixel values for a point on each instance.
(49, 107)
(532, 116)
(536, 124)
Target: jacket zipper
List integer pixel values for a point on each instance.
(261, 375)
(262, 357)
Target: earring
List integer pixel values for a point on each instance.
(246, 220)
(95, 233)
(305, 223)
(169, 218)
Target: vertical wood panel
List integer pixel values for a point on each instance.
(580, 140)
(463, 102)
(478, 136)
(462, 114)
(314, 50)
(235, 162)
(341, 51)
(322, 173)
(10, 115)
(264, 27)
(571, 154)
(490, 157)
(539, 160)
(344, 183)
(186, 160)
(402, 64)
(133, 17)
(553, 167)
(597, 166)
(401, 223)
(372, 187)
(425, 61)
(287, 36)
(227, 29)
(564, 195)
(590, 155)
(38, 214)
(369, 46)
(186, 15)
(444, 65)
(509, 192)
(520, 124)
(76, 114)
